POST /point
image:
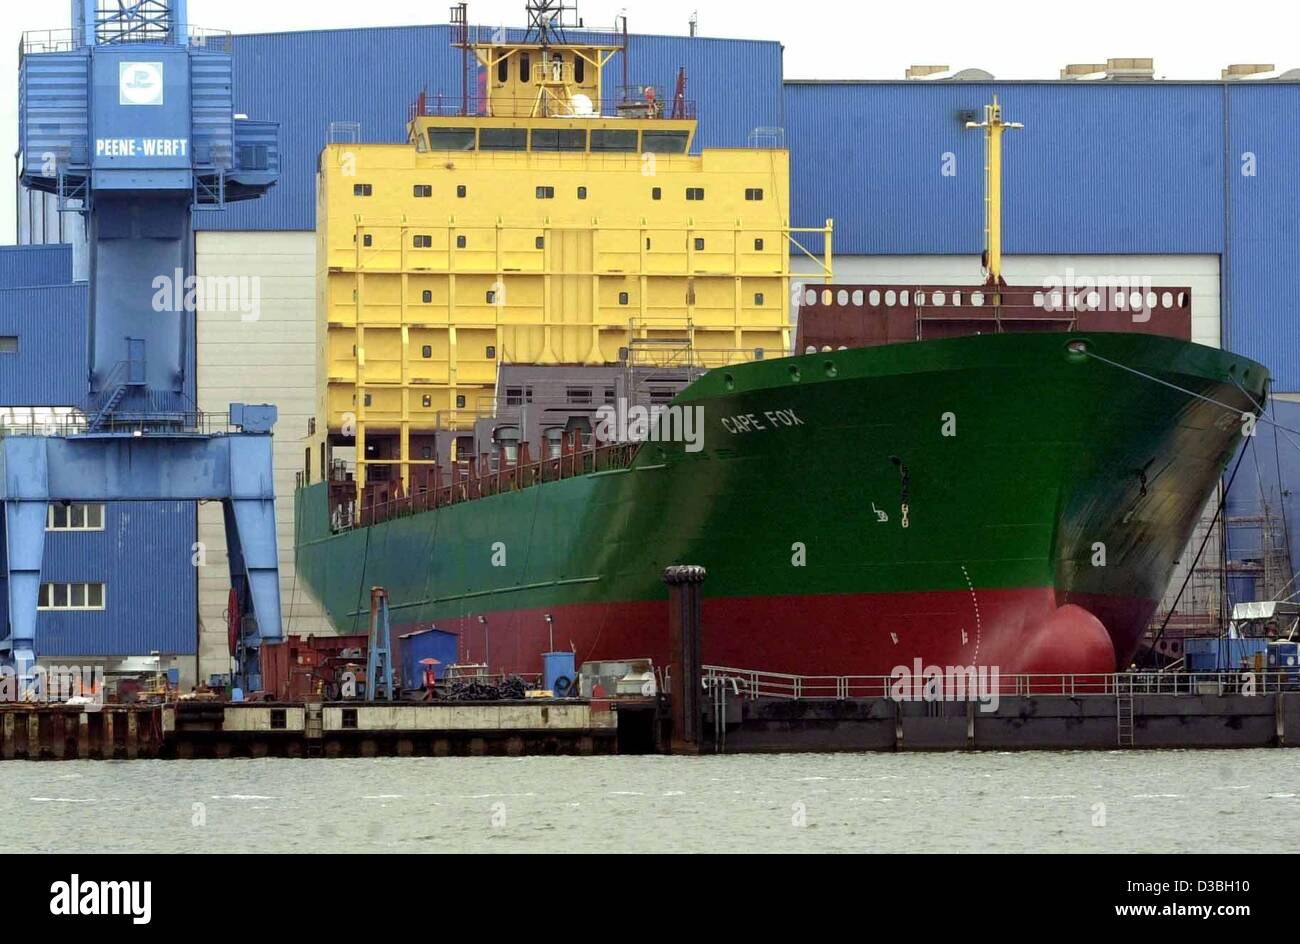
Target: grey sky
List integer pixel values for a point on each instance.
(1024, 39)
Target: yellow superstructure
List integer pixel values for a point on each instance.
(536, 231)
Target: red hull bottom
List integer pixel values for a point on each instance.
(1017, 631)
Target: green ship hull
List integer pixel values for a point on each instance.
(1010, 500)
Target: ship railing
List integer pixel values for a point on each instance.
(472, 480)
(958, 681)
(632, 105)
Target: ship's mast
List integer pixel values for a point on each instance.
(993, 126)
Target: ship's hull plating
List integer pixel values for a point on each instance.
(1048, 497)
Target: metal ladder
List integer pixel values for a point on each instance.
(313, 727)
(1124, 711)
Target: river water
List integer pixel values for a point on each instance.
(1122, 801)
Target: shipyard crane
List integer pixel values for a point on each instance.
(127, 118)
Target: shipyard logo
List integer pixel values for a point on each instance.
(140, 83)
(621, 422)
(919, 682)
(65, 684)
(76, 897)
(239, 294)
(1131, 294)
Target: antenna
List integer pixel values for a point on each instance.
(547, 20)
(694, 22)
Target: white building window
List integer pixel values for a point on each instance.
(75, 517)
(71, 596)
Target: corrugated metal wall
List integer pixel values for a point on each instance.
(305, 81)
(1099, 168)
(23, 266)
(49, 368)
(143, 557)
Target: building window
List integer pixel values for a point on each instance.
(461, 242)
(491, 297)
(545, 193)
(758, 245)
(460, 401)
(426, 351)
(367, 240)
(75, 517)
(460, 190)
(577, 395)
(656, 193)
(661, 394)
(8, 344)
(426, 296)
(362, 190)
(422, 190)
(422, 241)
(609, 394)
(694, 193)
(426, 400)
(491, 352)
(699, 242)
(753, 193)
(758, 298)
(367, 399)
(71, 596)
(539, 242)
(622, 298)
(582, 193)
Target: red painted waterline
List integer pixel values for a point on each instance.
(1019, 631)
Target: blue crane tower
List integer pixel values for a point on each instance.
(128, 118)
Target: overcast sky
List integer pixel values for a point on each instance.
(824, 39)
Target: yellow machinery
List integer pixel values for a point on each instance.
(541, 220)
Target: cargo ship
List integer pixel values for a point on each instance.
(557, 358)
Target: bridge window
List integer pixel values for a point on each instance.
(426, 296)
(75, 517)
(579, 69)
(461, 242)
(622, 298)
(523, 67)
(426, 350)
(582, 195)
(605, 139)
(540, 242)
(71, 596)
(451, 139)
(655, 194)
(503, 70)
(367, 240)
(664, 142)
(758, 298)
(503, 139)
(699, 242)
(460, 401)
(758, 245)
(362, 190)
(460, 190)
(426, 400)
(422, 190)
(559, 139)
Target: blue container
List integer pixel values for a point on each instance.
(558, 673)
(425, 644)
(1212, 654)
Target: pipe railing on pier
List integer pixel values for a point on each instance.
(971, 682)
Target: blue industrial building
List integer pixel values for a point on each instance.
(1175, 168)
